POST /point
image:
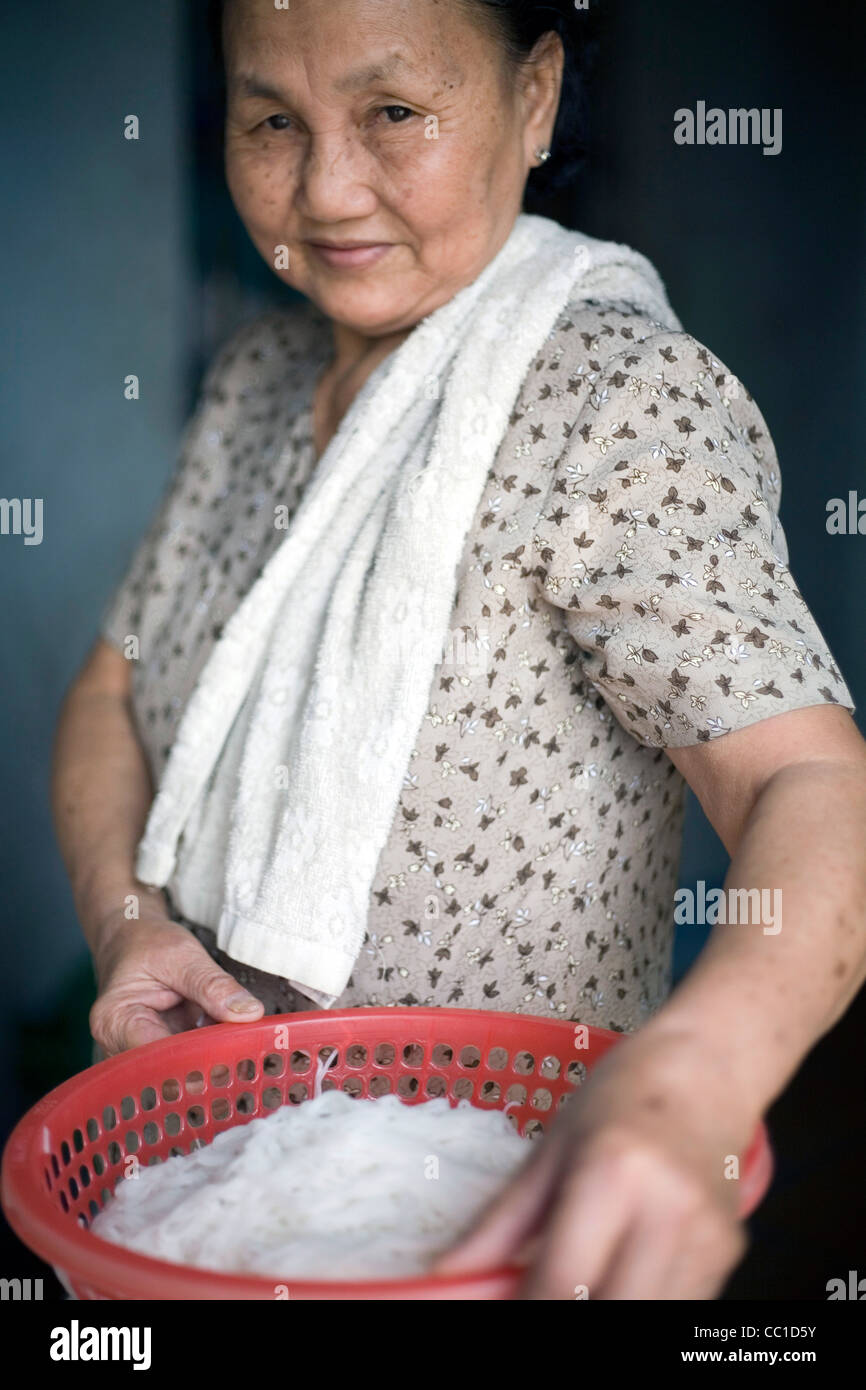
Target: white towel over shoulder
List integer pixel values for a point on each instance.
(281, 786)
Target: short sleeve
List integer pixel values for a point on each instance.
(660, 542)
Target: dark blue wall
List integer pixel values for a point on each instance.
(98, 280)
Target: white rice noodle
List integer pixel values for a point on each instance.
(334, 1188)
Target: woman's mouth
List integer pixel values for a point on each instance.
(349, 255)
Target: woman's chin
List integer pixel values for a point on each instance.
(363, 308)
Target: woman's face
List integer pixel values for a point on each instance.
(396, 124)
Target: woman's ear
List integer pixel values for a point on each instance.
(541, 83)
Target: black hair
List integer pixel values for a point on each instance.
(519, 24)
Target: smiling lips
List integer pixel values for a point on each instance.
(349, 255)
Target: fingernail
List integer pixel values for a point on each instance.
(243, 1004)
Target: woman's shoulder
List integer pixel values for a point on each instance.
(278, 349)
(602, 327)
(593, 336)
(619, 373)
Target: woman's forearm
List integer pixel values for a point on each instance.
(761, 994)
(156, 979)
(101, 791)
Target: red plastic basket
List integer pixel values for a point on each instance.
(65, 1156)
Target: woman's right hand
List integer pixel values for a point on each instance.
(156, 979)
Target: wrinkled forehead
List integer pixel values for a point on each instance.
(346, 41)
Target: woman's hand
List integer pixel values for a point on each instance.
(156, 979)
(627, 1196)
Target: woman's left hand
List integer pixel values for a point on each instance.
(631, 1194)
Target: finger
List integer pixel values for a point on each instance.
(183, 1017)
(641, 1265)
(701, 1267)
(653, 1266)
(120, 1026)
(509, 1220)
(586, 1224)
(191, 1016)
(144, 1026)
(216, 993)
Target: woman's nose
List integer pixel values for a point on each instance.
(337, 178)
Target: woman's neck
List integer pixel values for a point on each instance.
(355, 357)
(356, 352)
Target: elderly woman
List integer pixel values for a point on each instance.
(471, 562)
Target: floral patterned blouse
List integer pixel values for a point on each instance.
(623, 589)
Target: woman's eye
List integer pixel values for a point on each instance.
(284, 122)
(397, 114)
